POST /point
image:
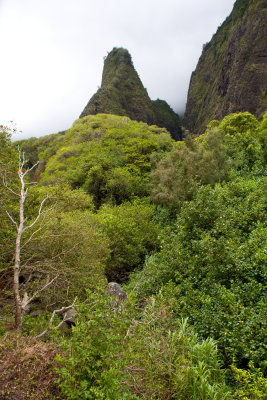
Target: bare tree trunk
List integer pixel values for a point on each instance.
(21, 304)
(18, 304)
(18, 312)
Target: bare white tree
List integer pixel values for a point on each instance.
(21, 303)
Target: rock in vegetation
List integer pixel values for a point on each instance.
(69, 317)
(115, 290)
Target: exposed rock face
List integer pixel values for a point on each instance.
(231, 74)
(122, 93)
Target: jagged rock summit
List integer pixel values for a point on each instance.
(122, 93)
(231, 74)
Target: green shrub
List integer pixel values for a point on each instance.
(216, 259)
(234, 147)
(93, 367)
(118, 352)
(251, 384)
(132, 235)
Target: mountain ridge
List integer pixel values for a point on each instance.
(231, 72)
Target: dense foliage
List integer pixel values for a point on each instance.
(212, 262)
(132, 233)
(108, 156)
(182, 225)
(120, 353)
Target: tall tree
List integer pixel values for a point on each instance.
(21, 303)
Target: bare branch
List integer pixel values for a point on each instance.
(12, 220)
(39, 213)
(41, 290)
(59, 312)
(24, 301)
(30, 169)
(30, 238)
(8, 188)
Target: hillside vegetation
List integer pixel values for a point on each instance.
(181, 225)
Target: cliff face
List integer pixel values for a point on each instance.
(231, 74)
(122, 93)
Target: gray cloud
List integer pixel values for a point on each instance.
(52, 52)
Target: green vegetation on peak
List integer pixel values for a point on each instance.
(122, 93)
(108, 156)
(231, 73)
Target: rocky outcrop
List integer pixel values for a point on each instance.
(231, 74)
(122, 93)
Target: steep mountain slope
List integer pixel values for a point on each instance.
(231, 73)
(122, 93)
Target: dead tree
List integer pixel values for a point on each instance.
(21, 303)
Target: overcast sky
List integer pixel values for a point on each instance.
(52, 53)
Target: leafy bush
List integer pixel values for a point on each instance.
(215, 257)
(234, 147)
(117, 353)
(251, 384)
(69, 247)
(190, 164)
(132, 235)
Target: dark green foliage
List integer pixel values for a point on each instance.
(215, 256)
(167, 118)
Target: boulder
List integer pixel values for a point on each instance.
(115, 290)
(68, 316)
